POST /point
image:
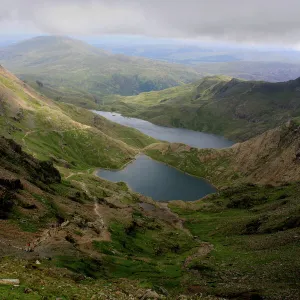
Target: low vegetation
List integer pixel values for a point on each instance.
(222, 105)
(270, 158)
(68, 234)
(254, 231)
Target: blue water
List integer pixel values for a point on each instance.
(173, 135)
(159, 181)
(155, 179)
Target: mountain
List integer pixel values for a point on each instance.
(70, 65)
(227, 106)
(60, 132)
(249, 64)
(252, 225)
(66, 233)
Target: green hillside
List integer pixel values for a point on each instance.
(63, 132)
(230, 107)
(71, 66)
(68, 234)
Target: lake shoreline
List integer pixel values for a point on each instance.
(140, 155)
(195, 139)
(141, 152)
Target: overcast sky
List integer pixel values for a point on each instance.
(242, 21)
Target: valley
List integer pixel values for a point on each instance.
(234, 108)
(69, 234)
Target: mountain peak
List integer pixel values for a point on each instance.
(56, 43)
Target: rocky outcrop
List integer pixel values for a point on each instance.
(14, 159)
(272, 157)
(11, 184)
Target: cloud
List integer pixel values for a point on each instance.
(255, 21)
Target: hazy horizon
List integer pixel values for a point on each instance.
(254, 24)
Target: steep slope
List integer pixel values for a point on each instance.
(271, 158)
(48, 130)
(70, 65)
(96, 231)
(235, 108)
(86, 233)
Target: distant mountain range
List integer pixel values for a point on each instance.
(193, 54)
(72, 65)
(246, 63)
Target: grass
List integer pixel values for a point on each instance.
(218, 169)
(246, 261)
(67, 135)
(48, 282)
(148, 251)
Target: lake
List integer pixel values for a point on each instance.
(155, 179)
(173, 135)
(159, 181)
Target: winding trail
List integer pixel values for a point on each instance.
(105, 232)
(10, 245)
(84, 127)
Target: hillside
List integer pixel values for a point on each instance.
(226, 106)
(62, 132)
(270, 158)
(253, 222)
(75, 237)
(69, 234)
(87, 233)
(71, 66)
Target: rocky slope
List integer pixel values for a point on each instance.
(48, 223)
(270, 158)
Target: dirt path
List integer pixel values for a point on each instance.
(105, 233)
(79, 173)
(203, 250)
(10, 245)
(84, 127)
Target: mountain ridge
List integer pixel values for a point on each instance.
(235, 108)
(69, 64)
